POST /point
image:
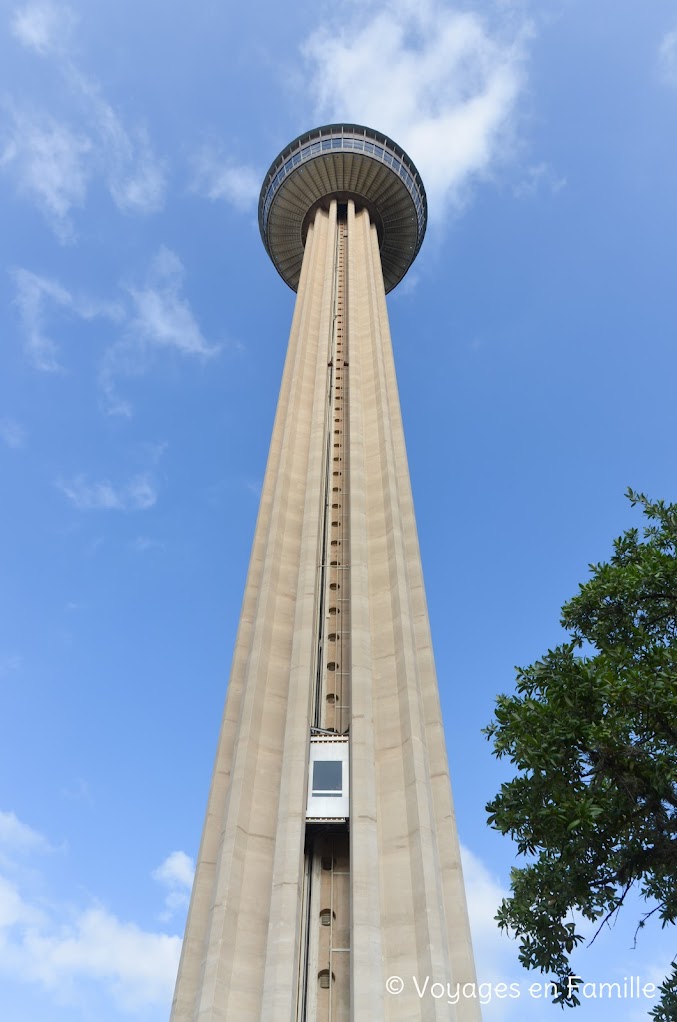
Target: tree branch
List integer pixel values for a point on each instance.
(611, 913)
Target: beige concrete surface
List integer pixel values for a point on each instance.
(253, 930)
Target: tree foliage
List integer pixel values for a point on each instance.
(592, 732)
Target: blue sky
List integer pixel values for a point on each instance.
(143, 332)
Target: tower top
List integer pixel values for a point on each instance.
(343, 161)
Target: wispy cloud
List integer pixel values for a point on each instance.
(120, 359)
(163, 317)
(452, 89)
(137, 494)
(32, 292)
(539, 177)
(51, 162)
(16, 836)
(136, 176)
(34, 295)
(43, 27)
(12, 433)
(153, 316)
(176, 875)
(667, 57)
(139, 182)
(217, 176)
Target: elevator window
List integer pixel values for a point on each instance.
(327, 778)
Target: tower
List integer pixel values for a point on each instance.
(329, 859)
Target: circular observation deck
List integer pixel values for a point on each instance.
(342, 162)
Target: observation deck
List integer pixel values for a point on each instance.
(342, 162)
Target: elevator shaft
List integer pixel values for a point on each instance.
(324, 980)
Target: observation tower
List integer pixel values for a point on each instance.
(329, 861)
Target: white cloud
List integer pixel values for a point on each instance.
(52, 163)
(138, 494)
(42, 26)
(484, 895)
(136, 177)
(51, 166)
(667, 57)
(77, 954)
(495, 953)
(436, 79)
(538, 177)
(164, 318)
(14, 911)
(217, 176)
(139, 184)
(137, 967)
(176, 874)
(120, 359)
(15, 835)
(33, 295)
(160, 318)
(12, 433)
(176, 871)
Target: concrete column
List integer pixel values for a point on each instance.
(419, 907)
(241, 952)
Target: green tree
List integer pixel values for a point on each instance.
(592, 733)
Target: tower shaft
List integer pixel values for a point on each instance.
(292, 921)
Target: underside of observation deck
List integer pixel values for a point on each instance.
(343, 162)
